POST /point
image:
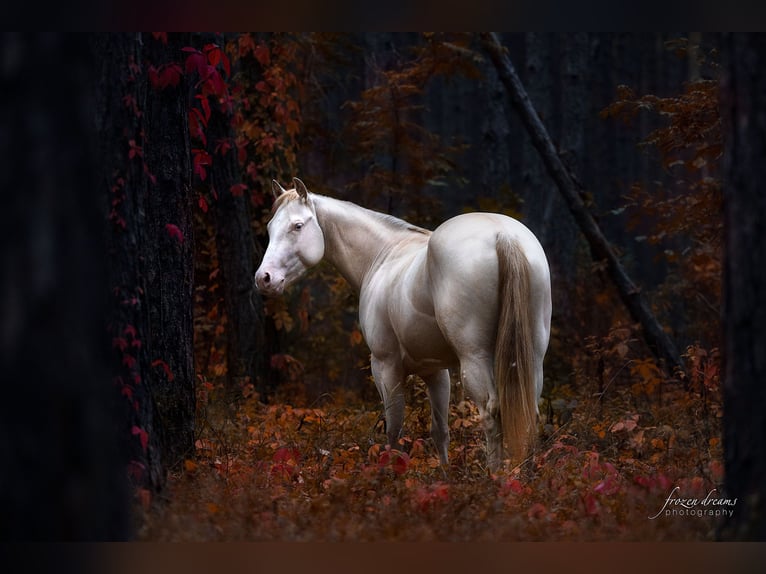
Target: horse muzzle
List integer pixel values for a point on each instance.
(269, 282)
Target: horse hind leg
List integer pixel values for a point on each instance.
(438, 394)
(477, 377)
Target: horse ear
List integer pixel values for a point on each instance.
(300, 187)
(276, 189)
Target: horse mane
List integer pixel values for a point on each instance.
(390, 220)
(288, 195)
(399, 223)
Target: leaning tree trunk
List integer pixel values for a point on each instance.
(744, 386)
(572, 191)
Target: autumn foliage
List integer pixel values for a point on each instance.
(607, 463)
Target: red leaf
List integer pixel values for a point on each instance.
(203, 204)
(170, 75)
(130, 330)
(286, 454)
(134, 149)
(165, 367)
(213, 54)
(397, 460)
(226, 64)
(200, 159)
(246, 44)
(150, 175)
(205, 106)
(216, 83)
(537, 510)
(153, 77)
(136, 470)
(238, 189)
(222, 146)
(511, 486)
(142, 436)
(591, 505)
(162, 36)
(174, 232)
(195, 62)
(262, 54)
(119, 343)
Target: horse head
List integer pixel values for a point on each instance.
(296, 241)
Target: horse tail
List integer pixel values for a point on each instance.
(514, 351)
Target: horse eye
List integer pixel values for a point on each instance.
(298, 226)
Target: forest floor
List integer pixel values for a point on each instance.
(610, 463)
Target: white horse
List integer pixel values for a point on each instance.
(474, 293)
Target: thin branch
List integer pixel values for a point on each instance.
(573, 193)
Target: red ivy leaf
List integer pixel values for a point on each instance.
(130, 330)
(143, 436)
(226, 64)
(201, 159)
(205, 106)
(171, 75)
(174, 232)
(136, 470)
(164, 76)
(216, 83)
(238, 189)
(195, 62)
(203, 204)
(213, 54)
(165, 367)
(150, 175)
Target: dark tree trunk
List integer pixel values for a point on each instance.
(146, 170)
(170, 257)
(63, 475)
(237, 253)
(744, 386)
(572, 191)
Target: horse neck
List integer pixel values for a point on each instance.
(354, 237)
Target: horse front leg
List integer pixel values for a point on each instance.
(389, 379)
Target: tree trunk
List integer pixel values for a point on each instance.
(169, 257)
(145, 168)
(236, 254)
(62, 477)
(659, 342)
(743, 112)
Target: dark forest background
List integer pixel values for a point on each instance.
(129, 319)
